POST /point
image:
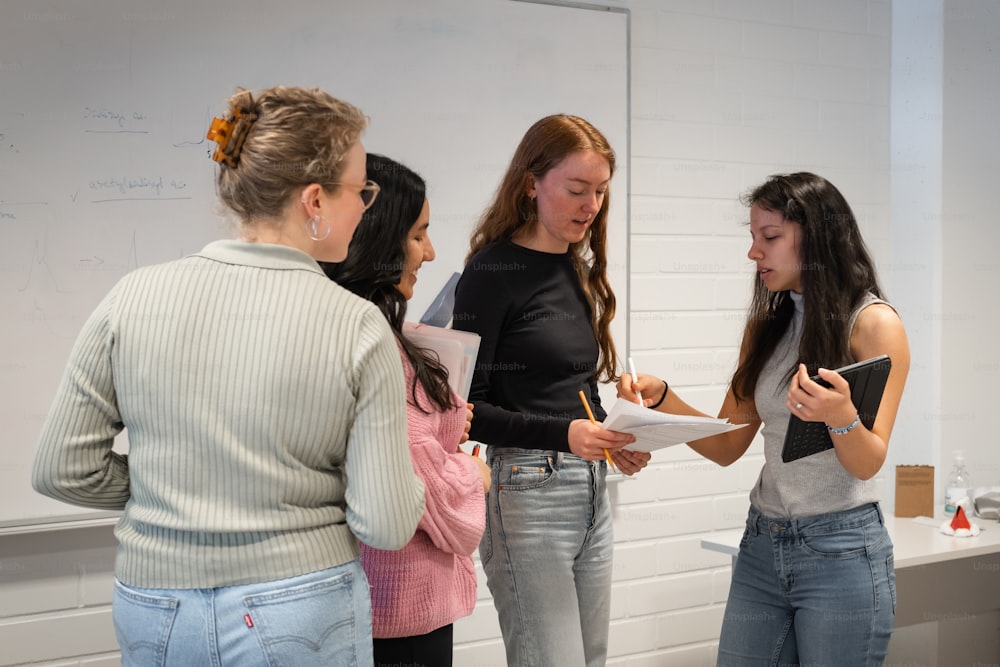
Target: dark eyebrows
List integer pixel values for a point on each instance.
(764, 228)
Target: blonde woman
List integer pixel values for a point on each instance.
(265, 410)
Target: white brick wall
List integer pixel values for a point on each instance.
(55, 598)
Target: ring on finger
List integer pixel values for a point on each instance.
(798, 406)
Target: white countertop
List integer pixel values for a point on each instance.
(916, 541)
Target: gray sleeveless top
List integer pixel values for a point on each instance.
(812, 485)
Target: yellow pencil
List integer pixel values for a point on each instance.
(586, 406)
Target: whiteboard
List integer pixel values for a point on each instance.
(104, 167)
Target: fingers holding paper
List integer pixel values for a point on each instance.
(630, 462)
(588, 440)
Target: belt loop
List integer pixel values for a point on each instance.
(878, 508)
(557, 460)
(754, 522)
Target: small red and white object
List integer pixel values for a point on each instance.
(959, 525)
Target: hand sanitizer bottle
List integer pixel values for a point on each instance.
(958, 485)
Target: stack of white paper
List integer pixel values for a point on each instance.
(655, 430)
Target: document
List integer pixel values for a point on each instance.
(655, 430)
(456, 350)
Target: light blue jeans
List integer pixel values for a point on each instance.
(320, 618)
(817, 591)
(547, 552)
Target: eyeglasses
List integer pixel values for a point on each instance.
(368, 192)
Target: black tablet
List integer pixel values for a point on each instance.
(867, 379)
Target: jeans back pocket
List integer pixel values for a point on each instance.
(143, 623)
(308, 624)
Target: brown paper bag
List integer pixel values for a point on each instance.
(914, 491)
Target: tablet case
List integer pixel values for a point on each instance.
(438, 314)
(867, 380)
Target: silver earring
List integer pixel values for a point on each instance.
(312, 228)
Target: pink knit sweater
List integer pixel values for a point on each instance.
(431, 581)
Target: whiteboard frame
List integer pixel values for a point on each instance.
(49, 517)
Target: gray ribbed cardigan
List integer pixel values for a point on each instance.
(266, 417)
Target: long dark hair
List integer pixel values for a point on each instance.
(376, 259)
(837, 272)
(544, 146)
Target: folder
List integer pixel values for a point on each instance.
(456, 350)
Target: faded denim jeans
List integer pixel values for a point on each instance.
(320, 618)
(547, 553)
(817, 591)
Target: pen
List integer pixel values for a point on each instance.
(590, 414)
(635, 376)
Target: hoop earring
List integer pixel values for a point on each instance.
(312, 228)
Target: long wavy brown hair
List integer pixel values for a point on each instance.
(544, 146)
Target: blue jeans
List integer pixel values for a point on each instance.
(815, 591)
(320, 618)
(547, 553)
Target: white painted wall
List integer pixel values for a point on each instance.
(970, 238)
(723, 94)
(915, 267)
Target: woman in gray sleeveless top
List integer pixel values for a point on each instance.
(814, 580)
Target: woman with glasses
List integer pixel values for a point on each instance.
(420, 590)
(535, 288)
(265, 409)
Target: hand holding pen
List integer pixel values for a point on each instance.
(589, 441)
(484, 469)
(629, 384)
(590, 414)
(635, 376)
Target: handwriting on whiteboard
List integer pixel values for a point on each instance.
(111, 120)
(124, 188)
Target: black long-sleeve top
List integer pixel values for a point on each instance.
(537, 351)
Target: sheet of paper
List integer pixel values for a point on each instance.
(655, 430)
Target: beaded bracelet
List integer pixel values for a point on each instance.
(663, 396)
(841, 430)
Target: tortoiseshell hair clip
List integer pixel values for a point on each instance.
(230, 135)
